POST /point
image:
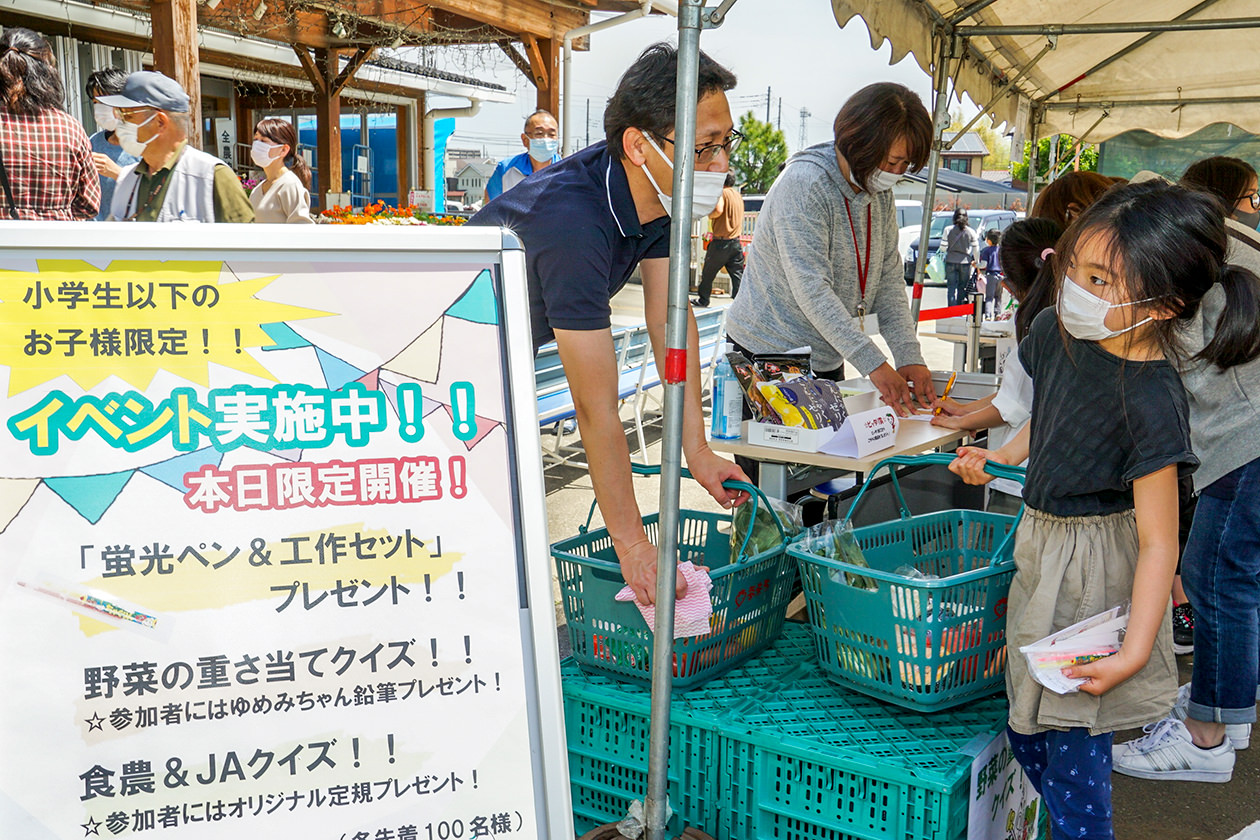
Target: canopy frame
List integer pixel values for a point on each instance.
(952, 45)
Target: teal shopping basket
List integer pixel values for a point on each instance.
(750, 598)
(923, 644)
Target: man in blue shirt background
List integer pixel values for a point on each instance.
(108, 156)
(586, 222)
(542, 148)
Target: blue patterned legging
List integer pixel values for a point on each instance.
(1072, 772)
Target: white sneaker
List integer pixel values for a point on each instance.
(1168, 752)
(1239, 734)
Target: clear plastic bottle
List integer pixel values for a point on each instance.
(728, 400)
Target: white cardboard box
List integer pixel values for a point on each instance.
(795, 438)
(810, 440)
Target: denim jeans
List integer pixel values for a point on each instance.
(957, 281)
(1221, 573)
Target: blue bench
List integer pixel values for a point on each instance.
(637, 375)
(711, 326)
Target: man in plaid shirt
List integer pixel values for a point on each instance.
(44, 153)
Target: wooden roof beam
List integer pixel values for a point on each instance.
(521, 62)
(360, 57)
(313, 75)
(533, 17)
(537, 65)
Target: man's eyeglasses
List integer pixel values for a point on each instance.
(706, 154)
(129, 113)
(541, 135)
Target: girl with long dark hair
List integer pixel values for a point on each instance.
(1108, 439)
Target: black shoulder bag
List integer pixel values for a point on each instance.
(8, 190)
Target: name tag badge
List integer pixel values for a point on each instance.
(868, 323)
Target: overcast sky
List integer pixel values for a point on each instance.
(802, 55)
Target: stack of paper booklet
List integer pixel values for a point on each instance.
(1086, 641)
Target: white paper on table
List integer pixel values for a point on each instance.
(864, 433)
(922, 416)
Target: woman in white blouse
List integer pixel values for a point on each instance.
(284, 195)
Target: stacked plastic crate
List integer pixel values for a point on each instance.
(773, 749)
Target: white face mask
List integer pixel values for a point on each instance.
(263, 153)
(706, 187)
(1084, 315)
(127, 136)
(543, 149)
(104, 116)
(881, 181)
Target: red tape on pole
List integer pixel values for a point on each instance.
(963, 309)
(918, 291)
(675, 366)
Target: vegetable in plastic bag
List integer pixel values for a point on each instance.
(765, 535)
(834, 540)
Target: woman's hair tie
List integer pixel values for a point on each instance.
(1046, 254)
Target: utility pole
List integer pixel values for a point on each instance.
(767, 105)
(779, 122)
(588, 121)
(805, 115)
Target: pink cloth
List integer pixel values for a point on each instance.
(691, 613)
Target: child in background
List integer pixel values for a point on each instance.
(991, 273)
(1026, 254)
(1108, 439)
(1222, 554)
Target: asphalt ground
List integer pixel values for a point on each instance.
(1144, 810)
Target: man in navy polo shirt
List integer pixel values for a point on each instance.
(586, 222)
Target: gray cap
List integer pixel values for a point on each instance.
(150, 89)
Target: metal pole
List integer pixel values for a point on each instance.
(973, 333)
(940, 119)
(1080, 105)
(675, 382)
(1033, 123)
(1052, 165)
(1189, 13)
(1002, 92)
(1210, 25)
(971, 10)
(1075, 155)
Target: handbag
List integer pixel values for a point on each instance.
(8, 190)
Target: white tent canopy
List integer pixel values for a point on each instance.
(1170, 67)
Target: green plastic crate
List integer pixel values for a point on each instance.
(809, 760)
(608, 732)
(921, 644)
(607, 723)
(610, 637)
(773, 749)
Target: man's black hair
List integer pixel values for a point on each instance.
(644, 98)
(108, 81)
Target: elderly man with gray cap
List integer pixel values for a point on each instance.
(172, 182)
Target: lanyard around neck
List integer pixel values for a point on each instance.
(863, 263)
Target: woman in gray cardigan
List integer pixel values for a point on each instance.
(823, 268)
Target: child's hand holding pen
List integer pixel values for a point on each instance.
(949, 386)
